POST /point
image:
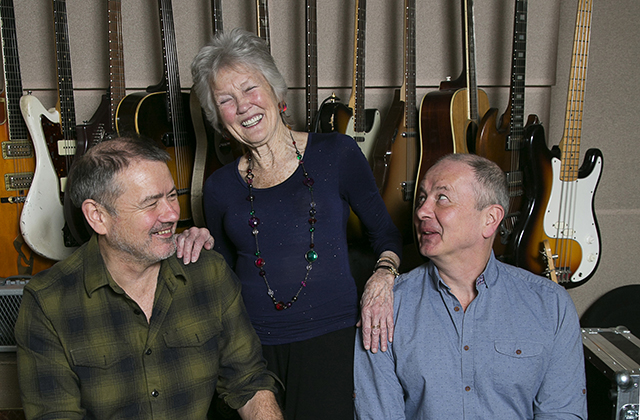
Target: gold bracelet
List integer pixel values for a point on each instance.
(391, 269)
(386, 259)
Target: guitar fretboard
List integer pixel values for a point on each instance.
(13, 83)
(359, 121)
(570, 144)
(116, 59)
(65, 79)
(470, 40)
(262, 14)
(311, 88)
(518, 67)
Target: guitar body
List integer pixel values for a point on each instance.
(463, 130)
(435, 128)
(42, 219)
(17, 165)
(573, 235)
(145, 115)
(390, 162)
(491, 143)
(336, 116)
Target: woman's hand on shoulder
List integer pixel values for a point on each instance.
(190, 243)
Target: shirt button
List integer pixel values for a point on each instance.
(457, 309)
(467, 388)
(518, 351)
(137, 311)
(466, 348)
(148, 352)
(154, 393)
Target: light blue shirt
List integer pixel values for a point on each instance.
(516, 353)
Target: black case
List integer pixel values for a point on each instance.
(612, 363)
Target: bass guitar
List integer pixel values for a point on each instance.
(352, 119)
(164, 116)
(449, 117)
(54, 140)
(101, 126)
(560, 193)
(500, 140)
(396, 153)
(18, 162)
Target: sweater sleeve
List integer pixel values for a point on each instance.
(361, 192)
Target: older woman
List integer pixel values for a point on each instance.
(279, 216)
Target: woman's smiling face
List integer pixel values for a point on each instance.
(246, 104)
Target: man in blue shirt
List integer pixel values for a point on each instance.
(474, 338)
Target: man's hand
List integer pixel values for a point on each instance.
(262, 406)
(190, 243)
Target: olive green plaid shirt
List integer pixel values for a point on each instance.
(86, 350)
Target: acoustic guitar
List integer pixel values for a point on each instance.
(101, 126)
(449, 117)
(353, 119)
(54, 140)
(164, 116)
(18, 160)
(501, 140)
(560, 193)
(397, 153)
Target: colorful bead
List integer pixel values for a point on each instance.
(311, 256)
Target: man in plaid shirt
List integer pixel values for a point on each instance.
(122, 329)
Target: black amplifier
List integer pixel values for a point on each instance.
(10, 299)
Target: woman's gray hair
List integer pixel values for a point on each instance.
(227, 50)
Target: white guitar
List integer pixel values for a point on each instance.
(53, 133)
(353, 119)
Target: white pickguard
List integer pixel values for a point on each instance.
(42, 217)
(569, 215)
(369, 138)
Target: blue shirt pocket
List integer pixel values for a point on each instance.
(518, 368)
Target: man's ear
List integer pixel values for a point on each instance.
(95, 215)
(492, 217)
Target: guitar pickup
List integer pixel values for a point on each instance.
(18, 181)
(66, 147)
(17, 149)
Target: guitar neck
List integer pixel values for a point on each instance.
(518, 67)
(65, 79)
(312, 63)
(470, 60)
(116, 59)
(216, 16)
(262, 14)
(356, 101)
(175, 112)
(408, 94)
(12, 78)
(570, 144)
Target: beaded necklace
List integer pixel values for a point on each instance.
(310, 256)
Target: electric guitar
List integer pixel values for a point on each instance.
(101, 126)
(396, 154)
(164, 116)
(54, 139)
(501, 140)
(262, 15)
(560, 194)
(449, 117)
(18, 161)
(352, 119)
